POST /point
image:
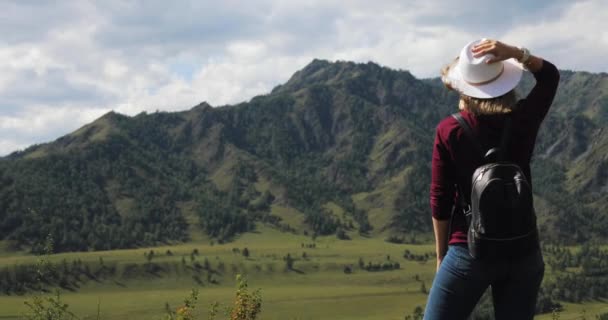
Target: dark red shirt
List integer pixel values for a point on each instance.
(455, 157)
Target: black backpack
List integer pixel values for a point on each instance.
(500, 212)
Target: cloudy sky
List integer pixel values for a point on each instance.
(65, 63)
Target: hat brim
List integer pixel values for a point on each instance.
(506, 82)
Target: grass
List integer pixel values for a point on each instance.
(576, 311)
(279, 302)
(319, 289)
(373, 202)
(289, 215)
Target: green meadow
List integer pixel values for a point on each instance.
(317, 286)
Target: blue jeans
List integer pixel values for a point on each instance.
(461, 280)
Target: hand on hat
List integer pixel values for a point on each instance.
(500, 50)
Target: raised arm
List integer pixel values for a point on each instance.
(536, 105)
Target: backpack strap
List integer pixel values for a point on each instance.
(469, 133)
(463, 205)
(504, 140)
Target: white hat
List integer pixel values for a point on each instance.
(474, 77)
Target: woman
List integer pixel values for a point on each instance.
(485, 75)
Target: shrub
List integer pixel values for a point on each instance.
(184, 312)
(247, 305)
(49, 308)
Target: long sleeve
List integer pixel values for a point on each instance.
(442, 181)
(535, 106)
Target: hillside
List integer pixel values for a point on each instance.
(339, 148)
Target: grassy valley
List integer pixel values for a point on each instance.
(317, 286)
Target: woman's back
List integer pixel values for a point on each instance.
(455, 157)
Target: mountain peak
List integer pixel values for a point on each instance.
(325, 72)
(112, 116)
(202, 106)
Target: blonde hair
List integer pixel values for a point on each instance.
(502, 104)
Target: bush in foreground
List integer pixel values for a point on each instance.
(247, 305)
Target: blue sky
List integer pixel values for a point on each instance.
(65, 63)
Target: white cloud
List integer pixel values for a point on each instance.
(114, 69)
(29, 124)
(576, 40)
(80, 59)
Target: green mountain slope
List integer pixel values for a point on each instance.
(339, 148)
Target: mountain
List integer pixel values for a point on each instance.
(572, 160)
(339, 148)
